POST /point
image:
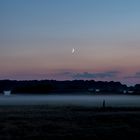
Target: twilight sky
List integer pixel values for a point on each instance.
(37, 37)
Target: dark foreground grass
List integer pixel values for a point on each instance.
(47, 122)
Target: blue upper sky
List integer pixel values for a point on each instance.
(68, 18)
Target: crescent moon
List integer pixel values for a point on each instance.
(73, 50)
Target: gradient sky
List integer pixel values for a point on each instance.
(37, 37)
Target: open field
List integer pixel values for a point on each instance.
(43, 122)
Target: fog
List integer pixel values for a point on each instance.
(76, 100)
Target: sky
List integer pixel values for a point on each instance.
(37, 38)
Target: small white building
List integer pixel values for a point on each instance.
(93, 90)
(130, 91)
(124, 91)
(7, 92)
(97, 90)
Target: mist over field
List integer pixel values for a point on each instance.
(72, 100)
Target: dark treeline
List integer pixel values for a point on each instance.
(52, 86)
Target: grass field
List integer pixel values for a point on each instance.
(44, 122)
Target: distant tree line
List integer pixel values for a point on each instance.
(53, 86)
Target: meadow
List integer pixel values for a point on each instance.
(50, 121)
